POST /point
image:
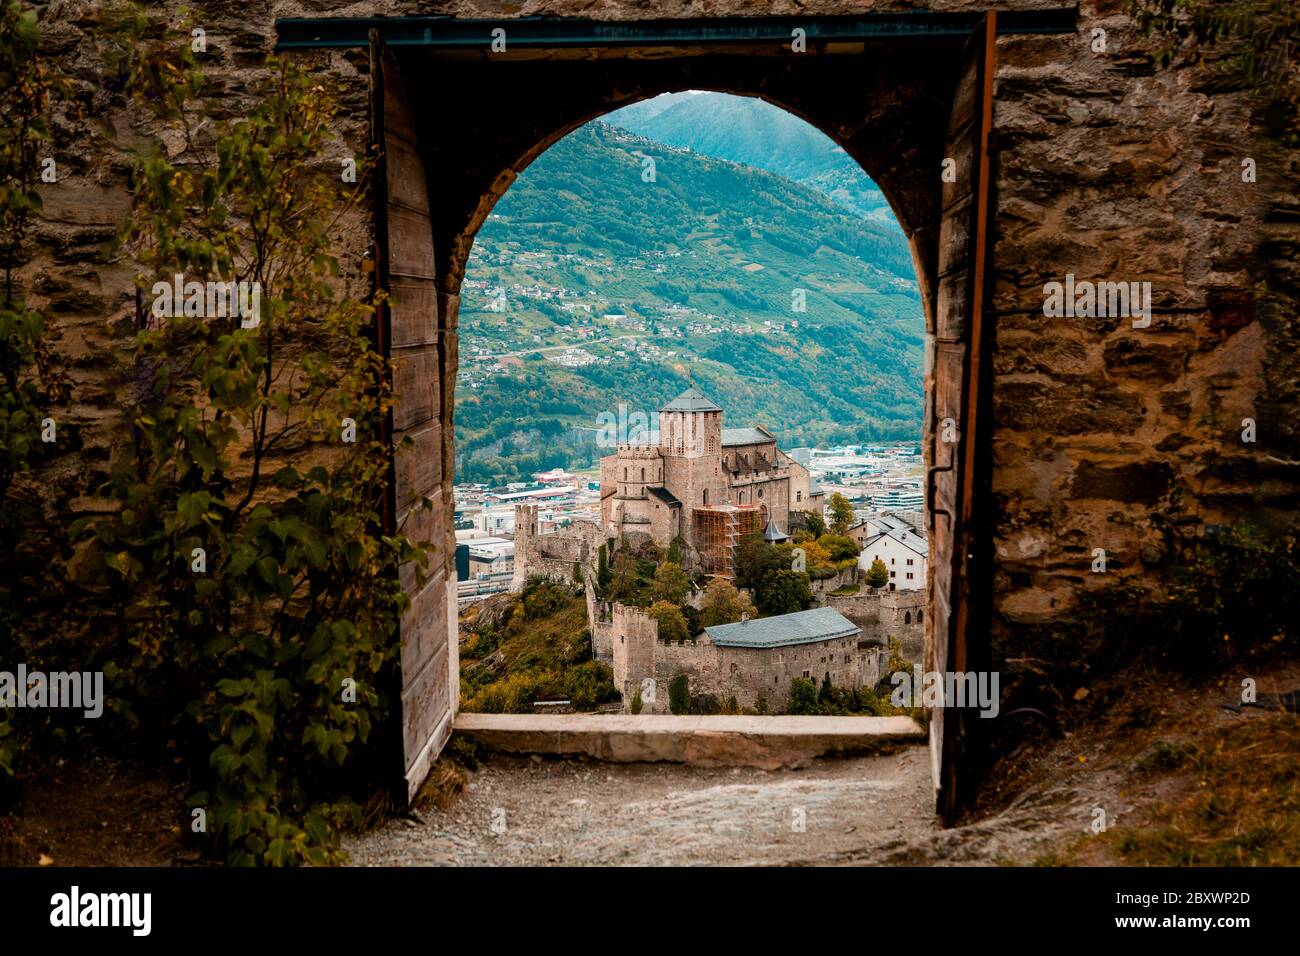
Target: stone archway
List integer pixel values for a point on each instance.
(446, 160)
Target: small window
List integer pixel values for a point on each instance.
(706, 496)
(798, 496)
(918, 616)
(643, 479)
(907, 618)
(909, 562)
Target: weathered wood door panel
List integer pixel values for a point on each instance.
(409, 331)
(956, 398)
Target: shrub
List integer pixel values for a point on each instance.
(877, 574)
(839, 547)
(671, 583)
(803, 697)
(259, 603)
(636, 702)
(672, 624)
(679, 694)
(723, 604)
(542, 597)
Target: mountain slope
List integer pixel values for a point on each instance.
(691, 278)
(751, 131)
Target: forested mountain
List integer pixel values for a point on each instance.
(618, 269)
(755, 133)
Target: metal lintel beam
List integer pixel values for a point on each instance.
(540, 33)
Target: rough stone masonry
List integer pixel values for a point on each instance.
(1109, 167)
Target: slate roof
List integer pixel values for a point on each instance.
(745, 436)
(691, 400)
(802, 627)
(666, 496)
(773, 533)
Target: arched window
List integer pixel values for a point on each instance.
(706, 496)
(907, 618)
(643, 474)
(919, 612)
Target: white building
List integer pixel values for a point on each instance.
(900, 546)
(491, 558)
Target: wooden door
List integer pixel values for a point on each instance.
(957, 429)
(410, 332)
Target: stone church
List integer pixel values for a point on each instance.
(704, 484)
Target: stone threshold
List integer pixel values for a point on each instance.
(769, 743)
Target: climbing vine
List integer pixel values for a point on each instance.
(1255, 41)
(259, 595)
(28, 382)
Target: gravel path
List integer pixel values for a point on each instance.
(520, 811)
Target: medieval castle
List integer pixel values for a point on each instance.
(705, 487)
(702, 485)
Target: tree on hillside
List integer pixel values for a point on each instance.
(784, 592)
(877, 574)
(841, 513)
(628, 584)
(723, 604)
(803, 697)
(671, 621)
(671, 583)
(767, 571)
(840, 547)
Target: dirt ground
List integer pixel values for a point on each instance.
(100, 813)
(520, 811)
(1050, 803)
(1039, 805)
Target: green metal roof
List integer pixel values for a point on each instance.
(802, 627)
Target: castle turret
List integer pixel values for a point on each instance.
(690, 426)
(690, 438)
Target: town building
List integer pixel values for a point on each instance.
(900, 545)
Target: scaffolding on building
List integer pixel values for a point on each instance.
(718, 530)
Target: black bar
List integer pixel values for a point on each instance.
(1019, 906)
(534, 33)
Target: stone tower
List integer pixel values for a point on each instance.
(690, 440)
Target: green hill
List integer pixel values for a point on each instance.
(687, 279)
(753, 132)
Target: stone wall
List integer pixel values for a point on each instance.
(1108, 167)
(553, 555)
(822, 587)
(756, 678)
